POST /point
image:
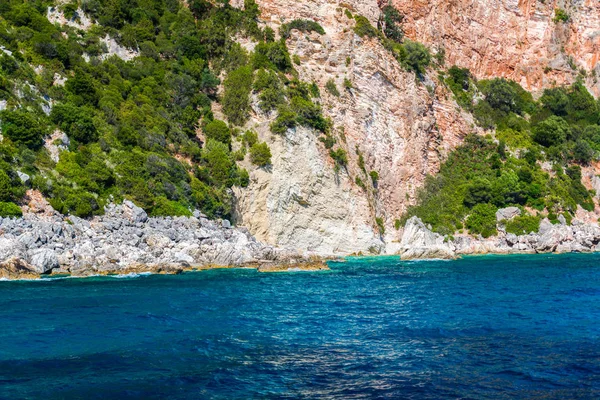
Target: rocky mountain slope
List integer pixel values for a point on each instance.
(402, 128)
(394, 126)
(521, 40)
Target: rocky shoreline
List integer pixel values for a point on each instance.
(126, 241)
(419, 242)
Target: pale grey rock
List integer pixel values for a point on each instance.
(506, 214)
(24, 177)
(419, 242)
(562, 220)
(43, 260)
(10, 247)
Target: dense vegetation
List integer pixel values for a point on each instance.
(485, 174)
(140, 129)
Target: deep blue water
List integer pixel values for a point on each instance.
(476, 328)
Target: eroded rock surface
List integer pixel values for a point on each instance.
(126, 240)
(515, 39)
(419, 242)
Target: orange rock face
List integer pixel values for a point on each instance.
(516, 39)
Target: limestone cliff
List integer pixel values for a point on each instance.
(517, 39)
(402, 128)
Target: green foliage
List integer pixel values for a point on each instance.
(219, 162)
(328, 140)
(397, 224)
(166, 207)
(475, 174)
(523, 224)
(347, 84)
(482, 220)
(380, 225)
(286, 119)
(551, 132)
(10, 210)
(75, 121)
(236, 100)
(332, 88)
(560, 15)
(459, 82)
(359, 182)
(260, 154)
(272, 55)
(250, 138)
(390, 23)
(6, 192)
(303, 25)
(364, 28)
(339, 156)
(374, 177)
(219, 131)
(22, 127)
(415, 56)
(130, 122)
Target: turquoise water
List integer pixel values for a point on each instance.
(480, 327)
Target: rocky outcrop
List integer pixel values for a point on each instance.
(403, 128)
(419, 242)
(515, 39)
(126, 240)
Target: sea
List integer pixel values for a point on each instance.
(482, 327)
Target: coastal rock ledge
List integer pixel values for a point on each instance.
(418, 241)
(125, 240)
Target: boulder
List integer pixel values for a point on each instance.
(506, 214)
(43, 260)
(419, 242)
(134, 213)
(10, 248)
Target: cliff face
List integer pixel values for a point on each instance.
(402, 128)
(517, 39)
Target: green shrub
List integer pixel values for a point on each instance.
(236, 100)
(332, 88)
(347, 84)
(10, 210)
(22, 127)
(219, 131)
(380, 225)
(272, 55)
(560, 15)
(523, 224)
(390, 20)
(6, 192)
(374, 177)
(303, 25)
(551, 132)
(308, 113)
(260, 154)
(339, 156)
(397, 224)
(482, 220)
(364, 28)
(286, 119)
(328, 141)
(165, 207)
(220, 163)
(359, 182)
(250, 138)
(414, 56)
